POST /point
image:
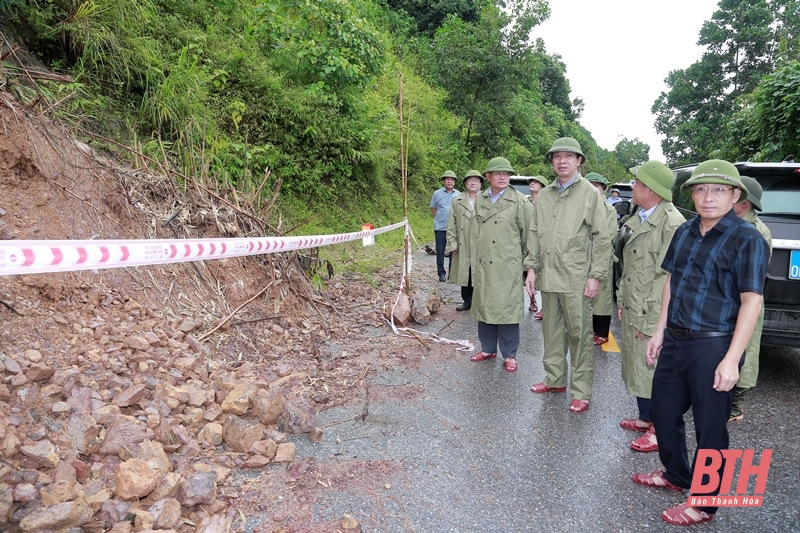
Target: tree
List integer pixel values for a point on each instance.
(429, 16)
(631, 153)
(740, 48)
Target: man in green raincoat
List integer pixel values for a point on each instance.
(503, 216)
(568, 257)
(603, 305)
(748, 375)
(639, 296)
(460, 234)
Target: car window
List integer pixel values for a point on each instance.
(780, 196)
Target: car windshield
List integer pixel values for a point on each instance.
(522, 187)
(780, 196)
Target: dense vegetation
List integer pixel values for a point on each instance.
(741, 100)
(223, 90)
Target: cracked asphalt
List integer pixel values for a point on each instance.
(480, 452)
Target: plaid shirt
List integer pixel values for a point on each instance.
(710, 271)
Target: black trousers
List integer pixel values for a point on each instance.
(441, 244)
(503, 336)
(466, 292)
(684, 378)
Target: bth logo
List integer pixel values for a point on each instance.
(706, 478)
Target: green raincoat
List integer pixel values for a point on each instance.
(500, 247)
(461, 231)
(749, 373)
(603, 304)
(640, 288)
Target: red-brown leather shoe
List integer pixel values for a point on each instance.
(680, 515)
(578, 406)
(657, 480)
(533, 307)
(538, 315)
(482, 356)
(631, 423)
(599, 341)
(644, 444)
(541, 387)
(510, 364)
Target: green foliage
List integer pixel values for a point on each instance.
(429, 16)
(744, 39)
(768, 127)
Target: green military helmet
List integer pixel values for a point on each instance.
(595, 177)
(566, 144)
(449, 174)
(541, 179)
(754, 190)
(715, 171)
(473, 174)
(657, 177)
(498, 164)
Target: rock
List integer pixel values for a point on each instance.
(137, 342)
(238, 399)
(217, 523)
(316, 435)
(240, 434)
(166, 513)
(34, 356)
(401, 312)
(122, 527)
(419, 307)
(113, 511)
(11, 365)
(153, 454)
(349, 523)
(130, 396)
(39, 372)
(59, 516)
(125, 431)
(167, 487)
(25, 493)
(268, 405)
(298, 415)
(42, 454)
(6, 502)
(256, 461)
(58, 492)
(200, 487)
(187, 325)
(212, 433)
(142, 520)
(135, 479)
(83, 430)
(285, 453)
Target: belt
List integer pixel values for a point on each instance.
(683, 334)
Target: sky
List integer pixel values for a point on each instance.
(618, 53)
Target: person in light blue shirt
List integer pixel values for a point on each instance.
(440, 209)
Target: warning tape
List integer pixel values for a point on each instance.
(35, 257)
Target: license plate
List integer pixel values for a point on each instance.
(794, 265)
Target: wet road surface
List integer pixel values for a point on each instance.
(482, 453)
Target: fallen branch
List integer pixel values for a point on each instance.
(10, 307)
(222, 323)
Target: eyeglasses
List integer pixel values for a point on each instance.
(713, 191)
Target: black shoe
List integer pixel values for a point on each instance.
(464, 307)
(442, 277)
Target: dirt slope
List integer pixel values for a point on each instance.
(101, 371)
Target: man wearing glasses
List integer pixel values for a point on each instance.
(716, 265)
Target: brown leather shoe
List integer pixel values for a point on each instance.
(482, 356)
(578, 406)
(541, 387)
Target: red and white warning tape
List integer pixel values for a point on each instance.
(33, 257)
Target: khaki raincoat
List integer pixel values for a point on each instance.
(603, 304)
(748, 375)
(461, 231)
(500, 247)
(640, 288)
(570, 238)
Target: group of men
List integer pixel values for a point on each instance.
(689, 297)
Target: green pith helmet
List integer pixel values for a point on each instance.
(541, 179)
(449, 174)
(658, 177)
(614, 190)
(754, 191)
(595, 177)
(566, 144)
(498, 164)
(473, 174)
(715, 171)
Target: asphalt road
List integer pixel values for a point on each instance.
(482, 453)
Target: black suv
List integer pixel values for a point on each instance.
(781, 214)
